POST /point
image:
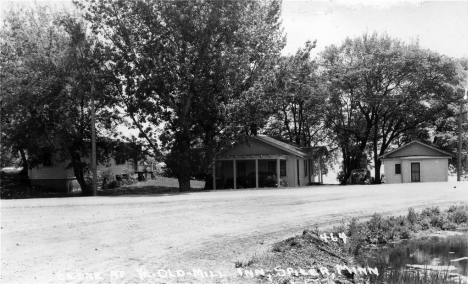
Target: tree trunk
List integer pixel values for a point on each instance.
(79, 173)
(184, 168)
(184, 183)
(183, 159)
(378, 164)
(24, 163)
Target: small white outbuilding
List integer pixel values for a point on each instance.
(416, 162)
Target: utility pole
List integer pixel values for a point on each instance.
(93, 142)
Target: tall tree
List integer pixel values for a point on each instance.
(391, 89)
(298, 113)
(446, 130)
(46, 101)
(188, 66)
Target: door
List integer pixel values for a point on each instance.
(415, 172)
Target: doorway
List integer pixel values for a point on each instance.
(415, 172)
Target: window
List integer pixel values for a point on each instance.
(272, 166)
(305, 168)
(241, 169)
(47, 160)
(283, 168)
(397, 169)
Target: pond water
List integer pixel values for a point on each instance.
(432, 253)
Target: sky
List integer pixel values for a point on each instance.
(438, 25)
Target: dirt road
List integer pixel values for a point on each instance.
(146, 239)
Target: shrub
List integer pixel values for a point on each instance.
(449, 226)
(425, 224)
(412, 216)
(357, 230)
(113, 184)
(406, 233)
(340, 176)
(429, 212)
(437, 221)
(458, 214)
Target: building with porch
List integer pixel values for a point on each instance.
(254, 163)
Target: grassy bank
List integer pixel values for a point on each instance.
(339, 255)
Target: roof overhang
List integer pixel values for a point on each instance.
(252, 157)
(384, 156)
(417, 158)
(278, 144)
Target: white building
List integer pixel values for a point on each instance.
(416, 162)
(55, 175)
(266, 156)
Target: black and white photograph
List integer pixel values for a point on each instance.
(234, 141)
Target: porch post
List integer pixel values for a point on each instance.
(278, 172)
(256, 173)
(214, 174)
(234, 173)
(309, 164)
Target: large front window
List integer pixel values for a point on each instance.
(272, 167)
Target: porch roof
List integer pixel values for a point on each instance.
(250, 157)
(292, 147)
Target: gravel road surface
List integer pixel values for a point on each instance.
(163, 238)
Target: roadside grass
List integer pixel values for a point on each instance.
(317, 250)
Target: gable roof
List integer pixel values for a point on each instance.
(283, 147)
(415, 142)
(291, 147)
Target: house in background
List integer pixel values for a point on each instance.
(55, 175)
(262, 155)
(416, 162)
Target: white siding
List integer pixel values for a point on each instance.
(389, 168)
(431, 170)
(57, 171)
